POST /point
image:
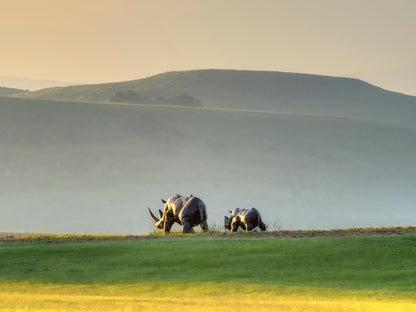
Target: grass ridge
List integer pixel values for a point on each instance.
(52, 237)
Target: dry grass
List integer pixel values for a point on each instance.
(29, 297)
(216, 230)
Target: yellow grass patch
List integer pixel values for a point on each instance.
(153, 297)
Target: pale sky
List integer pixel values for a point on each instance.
(115, 40)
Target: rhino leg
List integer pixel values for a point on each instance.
(204, 226)
(261, 224)
(186, 226)
(249, 227)
(169, 220)
(166, 227)
(235, 223)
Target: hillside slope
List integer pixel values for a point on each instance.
(86, 167)
(260, 90)
(9, 91)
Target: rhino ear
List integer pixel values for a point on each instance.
(230, 211)
(163, 201)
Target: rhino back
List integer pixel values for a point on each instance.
(193, 209)
(239, 212)
(176, 203)
(253, 216)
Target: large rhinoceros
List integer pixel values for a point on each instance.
(188, 211)
(247, 219)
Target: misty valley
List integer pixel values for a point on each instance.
(72, 165)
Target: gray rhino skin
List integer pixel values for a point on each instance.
(188, 211)
(247, 219)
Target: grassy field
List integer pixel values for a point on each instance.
(210, 273)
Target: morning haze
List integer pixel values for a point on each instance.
(208, 98)
(94, 167)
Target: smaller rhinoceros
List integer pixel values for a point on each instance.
(247, 219)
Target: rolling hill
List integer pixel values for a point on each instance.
(257, 90)
(90, 167)
(9, 91)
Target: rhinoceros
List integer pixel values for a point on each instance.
(188, 211)
(247, 219)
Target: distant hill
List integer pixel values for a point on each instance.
(88, 167)
(32, 84)
(258, 90)
(8, 91)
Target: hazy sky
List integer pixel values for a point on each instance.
(114, 40)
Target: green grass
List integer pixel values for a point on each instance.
(380, 270)
(384, 263)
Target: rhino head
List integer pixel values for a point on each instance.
(227, 223)
(228, 220)
(158, 221)
(164, 222)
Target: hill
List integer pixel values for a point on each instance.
(89, 167)
(32, 84)
(9, 91)
(258, 90)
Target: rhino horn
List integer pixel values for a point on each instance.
(152, 216)
(160, 214)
